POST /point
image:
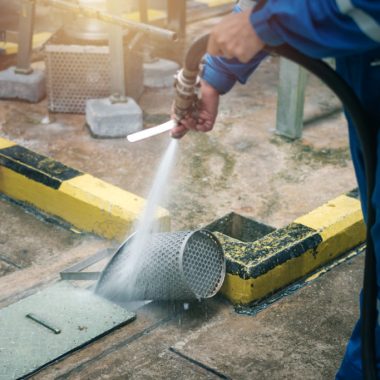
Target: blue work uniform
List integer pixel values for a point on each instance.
(348, 30)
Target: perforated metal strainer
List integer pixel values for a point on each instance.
(181, 265)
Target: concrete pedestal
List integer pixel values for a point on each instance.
(107, 119)
(29, 87)
(160, 73)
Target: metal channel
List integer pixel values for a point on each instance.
(75, 271)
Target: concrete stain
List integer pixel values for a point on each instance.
(212, 166)
(208, 147)
(311, 156)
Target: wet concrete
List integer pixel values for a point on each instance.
(302, 336)
(25, 241)
(241, 166)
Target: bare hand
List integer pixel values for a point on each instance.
(207, 112)
(234, 37)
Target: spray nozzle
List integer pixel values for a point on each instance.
(186, 99)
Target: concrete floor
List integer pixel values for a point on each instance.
(241, 166)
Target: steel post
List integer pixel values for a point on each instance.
(143, 10)
(116, 47)
(290, 104)
(177, 16)
(25, 37)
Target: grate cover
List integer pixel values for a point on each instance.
(76, 316)
(76, 73)
(181, 265)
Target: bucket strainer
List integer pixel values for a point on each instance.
(181, 265)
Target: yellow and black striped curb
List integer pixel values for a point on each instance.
(259, 268)
(83, 201)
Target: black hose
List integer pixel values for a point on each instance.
(367, 136)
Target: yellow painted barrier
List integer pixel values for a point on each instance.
(83, 201)
(256, 270)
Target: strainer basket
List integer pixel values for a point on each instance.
(182, 265)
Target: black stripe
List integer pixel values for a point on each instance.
(36, 167)
(251, 260)
(199, 364)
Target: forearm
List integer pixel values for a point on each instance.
(222, 73)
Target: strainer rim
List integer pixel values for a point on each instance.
(220, 248)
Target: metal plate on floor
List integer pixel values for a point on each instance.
(47, 325)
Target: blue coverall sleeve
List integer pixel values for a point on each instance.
(320, 28)
(222, 73)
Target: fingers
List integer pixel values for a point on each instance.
(221, 49)
(183, 126)
(218, 47)
(234, 37)
(203, 120)
(178, 132)
(200, 125)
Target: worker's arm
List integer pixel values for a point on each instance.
(324, 28)
(320, 28)
(222, 73)
(219, 75)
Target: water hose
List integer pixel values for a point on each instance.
(185, 101)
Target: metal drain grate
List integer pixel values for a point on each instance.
(69, 318)
(176, 266)
(202, 264)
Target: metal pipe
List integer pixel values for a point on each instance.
(115, 43)
(25, 37)
(186, 84)
(143, 10)
(152, 31)
(176, 10)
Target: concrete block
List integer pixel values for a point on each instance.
(31, 87)
(160, 73)
(107, 119)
